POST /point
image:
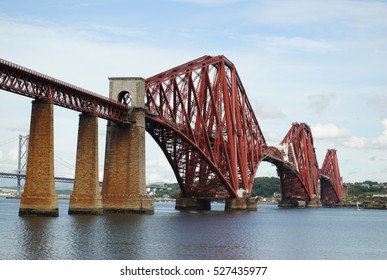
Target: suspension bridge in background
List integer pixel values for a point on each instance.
(199, 115)
(15, 168)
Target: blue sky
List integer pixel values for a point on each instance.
(319, 62)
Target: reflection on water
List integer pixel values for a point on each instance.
(269, 233)
(37, 237)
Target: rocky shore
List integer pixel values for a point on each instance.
(368, 203)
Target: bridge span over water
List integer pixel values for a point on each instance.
(199, 115)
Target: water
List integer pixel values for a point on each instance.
(271, 233)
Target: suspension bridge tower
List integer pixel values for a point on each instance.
(22, 162)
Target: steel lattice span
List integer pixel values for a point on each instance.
(296, 164)
(32, 84)
(200, 116)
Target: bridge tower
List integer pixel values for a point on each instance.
(124, 184)
(22, 162)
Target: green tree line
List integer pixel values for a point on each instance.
(267, 186)
(263, 186)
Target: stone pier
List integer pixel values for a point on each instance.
(293, 203)
(241, 204)
(314, 203)
(124, 185)
(192, 203)
(39, 197)
(86, 197)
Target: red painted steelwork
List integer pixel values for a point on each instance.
(300, 136)
(200, 116)
(32, 84)
(331, 185)
(296, 164)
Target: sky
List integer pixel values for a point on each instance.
(321, 62)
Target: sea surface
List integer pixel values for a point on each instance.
(271, 233)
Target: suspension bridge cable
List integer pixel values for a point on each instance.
(64, 163)
(7, 141)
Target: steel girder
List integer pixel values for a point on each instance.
(32, 84)
(200, 116)
(331, 185)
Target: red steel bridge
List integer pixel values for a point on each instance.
(200, 116)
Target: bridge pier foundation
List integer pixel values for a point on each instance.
(315, 203)
(39, 197)
(290, 204)
(299, 203)
(238, 204)
(124, 186)
(86, 197)
(192, 203)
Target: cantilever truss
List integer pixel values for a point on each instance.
(296, 164)
(32, 84)
(331, 186)
(200, 116)
(300, 135)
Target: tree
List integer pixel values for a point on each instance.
(266, 186)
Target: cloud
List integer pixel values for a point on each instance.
(319, 102)
(380, 103)
(267, 112)
(289, 44)
(356, 142)
(381, 141)
(272, 136)
(159, 170)
(329, 131)
(333, 132)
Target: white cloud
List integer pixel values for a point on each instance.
(355, 142)
(287, 44)
(381, 141)
(267, 112)
(159, 170)
(118, 31)
(319, 102)
(271, 136)
(329, 131)
(380, 102)
(13, 154)
(333, 132)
